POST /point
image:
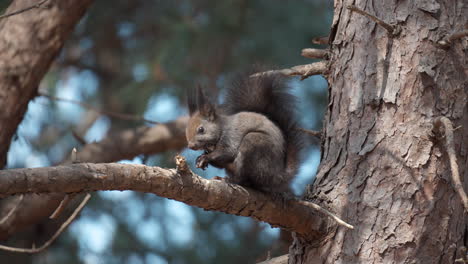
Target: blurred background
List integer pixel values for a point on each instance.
(140, 57)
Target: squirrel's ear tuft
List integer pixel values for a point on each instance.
(204, 105)
(192, 101)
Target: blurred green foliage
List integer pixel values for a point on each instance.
(123, 54)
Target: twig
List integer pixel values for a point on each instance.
(320, 40)
(103, 112)
(449, 145)
(325, 211)
(392, 30)
(74, 156)
(181, 165)
(315, 53)
(38, 5)
(12, 210)
(52, 239)
(62, 206)
(452, 37)
(78, 138)
(458, 35)
(313, 133)
(303, 70)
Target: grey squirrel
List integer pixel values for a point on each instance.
(253, 135)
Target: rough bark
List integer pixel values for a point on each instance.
(382, 168)
(28, 43)
(182, 185)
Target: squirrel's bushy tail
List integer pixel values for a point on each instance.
(268, 95)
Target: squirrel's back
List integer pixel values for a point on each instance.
(268, 95)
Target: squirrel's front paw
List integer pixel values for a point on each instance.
(202, 162)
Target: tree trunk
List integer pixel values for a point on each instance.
(382, 168)
(29, 42)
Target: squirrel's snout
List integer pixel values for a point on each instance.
(193, 146)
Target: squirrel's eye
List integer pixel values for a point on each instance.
(200, 130)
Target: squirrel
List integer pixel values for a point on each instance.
(253, 135)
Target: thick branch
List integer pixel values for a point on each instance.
(122, 145)
(181, 185)
(130, 143)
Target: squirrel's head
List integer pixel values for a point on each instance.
(203, 129)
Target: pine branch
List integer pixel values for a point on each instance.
(180, 184)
